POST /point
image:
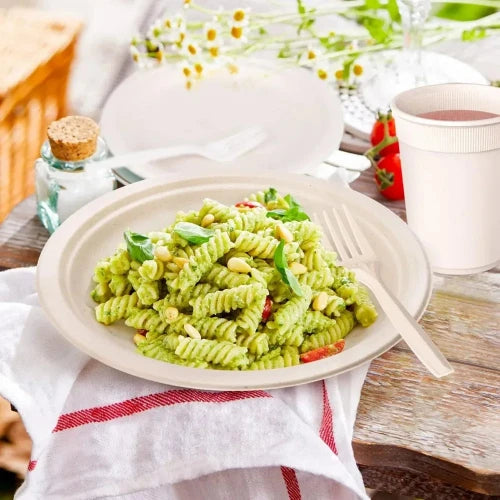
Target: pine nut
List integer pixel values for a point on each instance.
(207, 220)
(171, 313)
(162, 253)
(139, 339)
(192, 331)
(238, 265)
(180, 262)
(297, 268)
(284, 233)
(320, 302)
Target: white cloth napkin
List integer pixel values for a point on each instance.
(99, 433)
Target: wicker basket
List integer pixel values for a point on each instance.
(36, 51)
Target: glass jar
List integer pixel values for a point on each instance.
(62, 187)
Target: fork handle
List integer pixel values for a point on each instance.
(411, 332)
(148, 155)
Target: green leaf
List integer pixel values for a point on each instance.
(270, 195)
(292, 202)
(284, 52)
(193, 233)
(139, 246)
(262, 31)
(277, 213)
(392, 8)
(305, 24)
(294, 212)
(300, 7)
(463, 12)
(473, 34)
(282, 266)
(377, 28)
(346, 68)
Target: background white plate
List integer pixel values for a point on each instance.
(68, 259)
(152, 108)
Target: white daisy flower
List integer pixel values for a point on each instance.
(190, 48)
(239, 17)
(311, 55)
(323, 70)
(211, 32)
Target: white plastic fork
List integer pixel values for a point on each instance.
(223, 150)
(357, 254)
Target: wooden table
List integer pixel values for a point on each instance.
(414, 435)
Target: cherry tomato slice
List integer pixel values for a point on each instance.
(249, 204)
(266, 312)
(322, 352)
(141, 331)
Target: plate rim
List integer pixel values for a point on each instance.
(50, 302)
(255, 63)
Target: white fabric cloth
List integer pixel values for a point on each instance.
(100, 433)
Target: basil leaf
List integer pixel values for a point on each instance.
(193, 233)
(279, 257)
(282, 266)
(139, 246)
(278, 213)
(270, 195)
(293, 283)
(294, 212)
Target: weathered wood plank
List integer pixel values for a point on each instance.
(449, 428)
(22, 236)
(466, 328)
(408, 485)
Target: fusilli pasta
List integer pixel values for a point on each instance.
(255, 314)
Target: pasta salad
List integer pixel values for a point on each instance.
(243, 287)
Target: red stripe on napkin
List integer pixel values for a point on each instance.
(31, 465)
(326, 429)
(291, 482)
(144, 403)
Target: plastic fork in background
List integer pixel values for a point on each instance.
(223, 150)
(356, 253)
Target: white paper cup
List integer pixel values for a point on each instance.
(451, 175)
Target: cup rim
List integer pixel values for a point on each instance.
(443, 123)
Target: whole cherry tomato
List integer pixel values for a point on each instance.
(389, 178)
(378, 134)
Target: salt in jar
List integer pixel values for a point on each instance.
(67, 175)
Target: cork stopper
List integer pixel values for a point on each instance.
(73, 138)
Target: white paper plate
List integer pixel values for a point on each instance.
(152, 108)
(68, 259)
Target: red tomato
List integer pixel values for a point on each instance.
(322, 352)
(142, 331)
(266, 312)
(389, 178)
(378, 134)
(249, 204)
